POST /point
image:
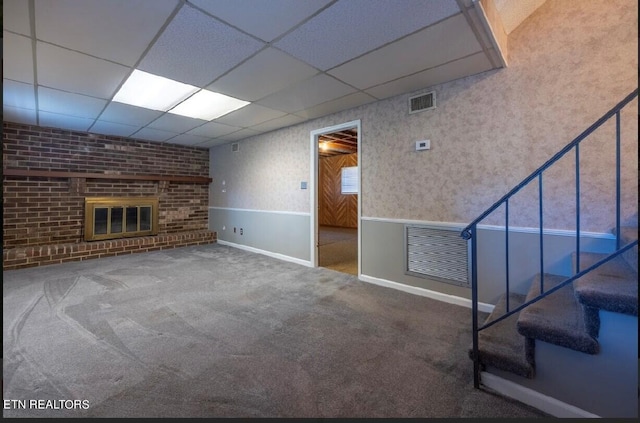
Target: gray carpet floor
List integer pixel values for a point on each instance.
(213, 331)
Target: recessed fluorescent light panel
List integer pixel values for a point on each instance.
(208, 105)
(155, 92)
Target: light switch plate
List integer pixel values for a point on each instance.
(423, 145)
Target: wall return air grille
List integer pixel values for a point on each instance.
(437, 253)
(422, 102)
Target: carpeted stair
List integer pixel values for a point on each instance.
(558, 318)
(568, 317)
(613, 286)
(501, 346)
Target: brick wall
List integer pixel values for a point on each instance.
(43, 211)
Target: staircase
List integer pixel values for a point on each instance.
(570, 318)
(570, 338)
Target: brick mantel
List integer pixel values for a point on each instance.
(114, 176)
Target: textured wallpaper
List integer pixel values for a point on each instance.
(265, 174)
(569, 63)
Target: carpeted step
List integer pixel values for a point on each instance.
(558, 318)
(501, 346)
(613, 286)
(629, 234)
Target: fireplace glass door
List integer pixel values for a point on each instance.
(111, 217)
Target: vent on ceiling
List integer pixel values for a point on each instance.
(235, 147)
(437, 253)
(422, 102)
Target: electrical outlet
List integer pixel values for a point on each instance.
(241, 231)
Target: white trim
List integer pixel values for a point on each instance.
(519, 229)
(266, 253)
(313, 188)
(460, 226)
(556, 232)
(261, 211)
(447, 298)
(533, 398)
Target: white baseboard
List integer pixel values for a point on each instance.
(533, 398)
(451, 299)
(266, 253)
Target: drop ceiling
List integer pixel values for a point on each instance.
(292, 60)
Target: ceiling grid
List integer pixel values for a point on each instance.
(65, 61)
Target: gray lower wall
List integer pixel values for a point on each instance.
(383, 258)
(282, 233)
(382, 254)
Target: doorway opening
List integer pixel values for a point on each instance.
(336, 209)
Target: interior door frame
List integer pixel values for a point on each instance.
(313, 191)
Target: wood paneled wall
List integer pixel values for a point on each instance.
(334, 208)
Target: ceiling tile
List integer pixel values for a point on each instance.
(441, 43)
(76, 72)
(250, 115)
(188, 139)
(129, 115)
(195, 38)
(17, 57)
(212, 143)
(15, 16)
(470, 65)
(213, 130)
(267, 19)
(344, 103)
(117, 30)
(358, 26)
(18, 115)
(56, 120)
(65, 103)
(18, 94)
(175, 123)
(112, 128)
(239, 135)
(264, 74)
(277, 123)
(151, 134)
(306, 94)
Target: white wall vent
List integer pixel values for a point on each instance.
(437, 253)
(235, 147)
(422, 102)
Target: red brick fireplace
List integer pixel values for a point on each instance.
(49, 173)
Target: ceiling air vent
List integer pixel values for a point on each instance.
(422, 102)
(235, 147)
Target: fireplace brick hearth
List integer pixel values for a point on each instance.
(48, 173)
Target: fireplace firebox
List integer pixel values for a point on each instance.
(120, 217)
